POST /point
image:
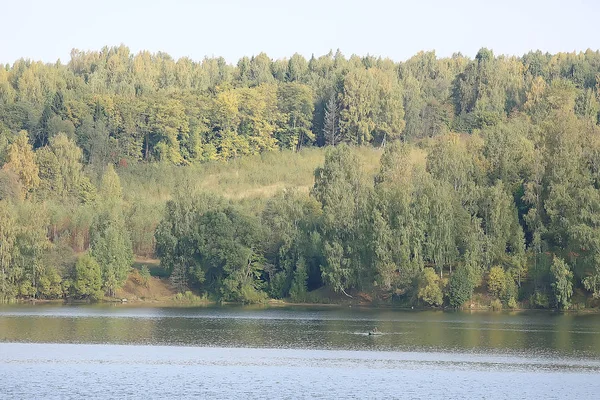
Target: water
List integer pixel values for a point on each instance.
(108, 351)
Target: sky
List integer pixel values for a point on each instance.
(48, 30)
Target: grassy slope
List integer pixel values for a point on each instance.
(249, 181)
(245, 179)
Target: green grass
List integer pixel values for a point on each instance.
(248, 181)
(245, 180)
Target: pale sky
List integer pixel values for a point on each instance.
(48, 30)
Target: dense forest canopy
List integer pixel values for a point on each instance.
(506, 202)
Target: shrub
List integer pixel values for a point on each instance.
(496, 305)
(496, 281)
(145, 274)
(539, 300)
(460, 288)
(429, 288)
(188, 297)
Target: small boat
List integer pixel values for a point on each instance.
(374, 331)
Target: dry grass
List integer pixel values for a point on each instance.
(154, 289)
(248, 181)
(418, 156)
(246, 178)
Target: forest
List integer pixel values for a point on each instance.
(428, 182)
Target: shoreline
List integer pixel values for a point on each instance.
(171, 303)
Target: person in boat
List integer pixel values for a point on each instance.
(374, 331)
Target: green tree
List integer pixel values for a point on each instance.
(167, 125)
(228, 249)
(357, 107)
(388, 114)
(20, 160)
(398, 223)
(88, 278)
(460, 287)
(331, 130)
(299, 287)
(563, 282)
(295, 102)
(32, 244)
(496, 281)
(8, 237)
(61, 170)
(110, 246)
(291, 220)
(175, 243)
(110, 186)
(341, 188)
(430, 290)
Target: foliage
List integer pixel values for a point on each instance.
(496, 305)
(562, 285)
(460, 287)
(430, 290)
(496, 281)
(88, 278)
(20, 160)
(207, 242)
(341, 188)
(61, 171)
(299, 283)
(490, 166)
(110, 246)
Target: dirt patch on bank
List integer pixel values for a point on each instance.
(139, 288)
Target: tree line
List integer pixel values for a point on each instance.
(504, 205)
(121, 107)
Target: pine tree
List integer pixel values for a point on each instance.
(330, 126)
(179, 278)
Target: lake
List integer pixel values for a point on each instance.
(124, 351)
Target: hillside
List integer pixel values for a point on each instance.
(114, 156)
(247, 179)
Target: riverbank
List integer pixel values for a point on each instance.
(158, 291)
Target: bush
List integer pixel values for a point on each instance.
(539, 300)
(496, 305)
(145, 274)
(188, 297)
(251, 295)
(429, 288)
(512, 303)
(496, 281)
(460, 288)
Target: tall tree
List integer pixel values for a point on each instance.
(331, 129)
(20, 160)
(110, 246)
(341, 188)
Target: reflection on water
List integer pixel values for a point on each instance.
(538, 333)
(105, 351)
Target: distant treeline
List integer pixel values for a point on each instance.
(507, 203)
(120, 107)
